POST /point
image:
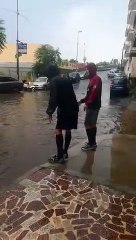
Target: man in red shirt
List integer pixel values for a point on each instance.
(92, 106)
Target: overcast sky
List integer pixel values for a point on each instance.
(56, 22)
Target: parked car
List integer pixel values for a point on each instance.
(40, 83)
(83, 75)
(9, 84)
(119, 86)
(112, 73)
(74, 77)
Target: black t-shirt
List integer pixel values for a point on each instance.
(62, 96)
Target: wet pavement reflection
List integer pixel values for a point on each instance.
(27, 138)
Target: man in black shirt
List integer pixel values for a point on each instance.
(63, 98)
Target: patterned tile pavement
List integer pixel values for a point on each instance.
(52, 205)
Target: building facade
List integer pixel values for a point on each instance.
(8, 65)
(129, 50)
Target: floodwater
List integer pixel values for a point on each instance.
(27, 138)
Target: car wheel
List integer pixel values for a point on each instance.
(45, 88)
(126, 93)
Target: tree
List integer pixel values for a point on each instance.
(2, 36)
(64, 62)
(44, 56)
(72, 61)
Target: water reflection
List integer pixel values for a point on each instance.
(88, 164)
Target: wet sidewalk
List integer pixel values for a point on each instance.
(53, 204)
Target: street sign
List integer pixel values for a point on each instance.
(22, 48)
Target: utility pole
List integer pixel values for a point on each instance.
(77, 47)
(84, 59)
(17, 41)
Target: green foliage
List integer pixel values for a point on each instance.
(64, 62)
(2, 36)
(72, 61)
(44, 56)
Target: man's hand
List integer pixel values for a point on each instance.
(50, 118)
(79, 103)
(85, 107)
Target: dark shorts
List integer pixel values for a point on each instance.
(67, 120)
(91, 117)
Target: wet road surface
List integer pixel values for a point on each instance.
(26, 137)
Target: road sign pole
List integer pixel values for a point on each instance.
(17, 51)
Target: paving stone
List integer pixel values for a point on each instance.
(63, 182)
(15, 229)
(82, 226)
(43, 237)
(60, 212)
(23, 207)
(128, 219)
(73, 193)
(49, 213)
(96, 216)
(45, 200)
(22, 235)
(82, 232)
(104, 232)
(36, 226)
(127, 237)
(3, 218)
(85, 191)
(89, 205)
(84, 213)
(71, 216)
(131, 229)
(20, 202)
(56, 206)
(78, 208)
(70, 235)
(104, 219)
(19, 194)
(37, 176)
(2, 206)
(82, 221)
(117, 221)
(45, 192)
(115, 227)
(22, 219)
(35, 206)
(15, 216)
(55, 231)
(12, 203)
(93, 237)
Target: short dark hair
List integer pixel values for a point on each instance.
(52, 71)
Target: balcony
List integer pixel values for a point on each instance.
(133, 52)
(130, 36)
(126, 54)
(127, 46)
(131, 18)
(132, 5)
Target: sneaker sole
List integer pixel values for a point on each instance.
(89, 149)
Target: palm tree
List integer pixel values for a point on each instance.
(2, 36)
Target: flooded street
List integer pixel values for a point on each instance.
(27, 138)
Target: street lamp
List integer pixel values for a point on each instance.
(17, 41)
(80, 31)
(84, 59)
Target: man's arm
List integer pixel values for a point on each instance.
(53, 99)
(83, 100)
